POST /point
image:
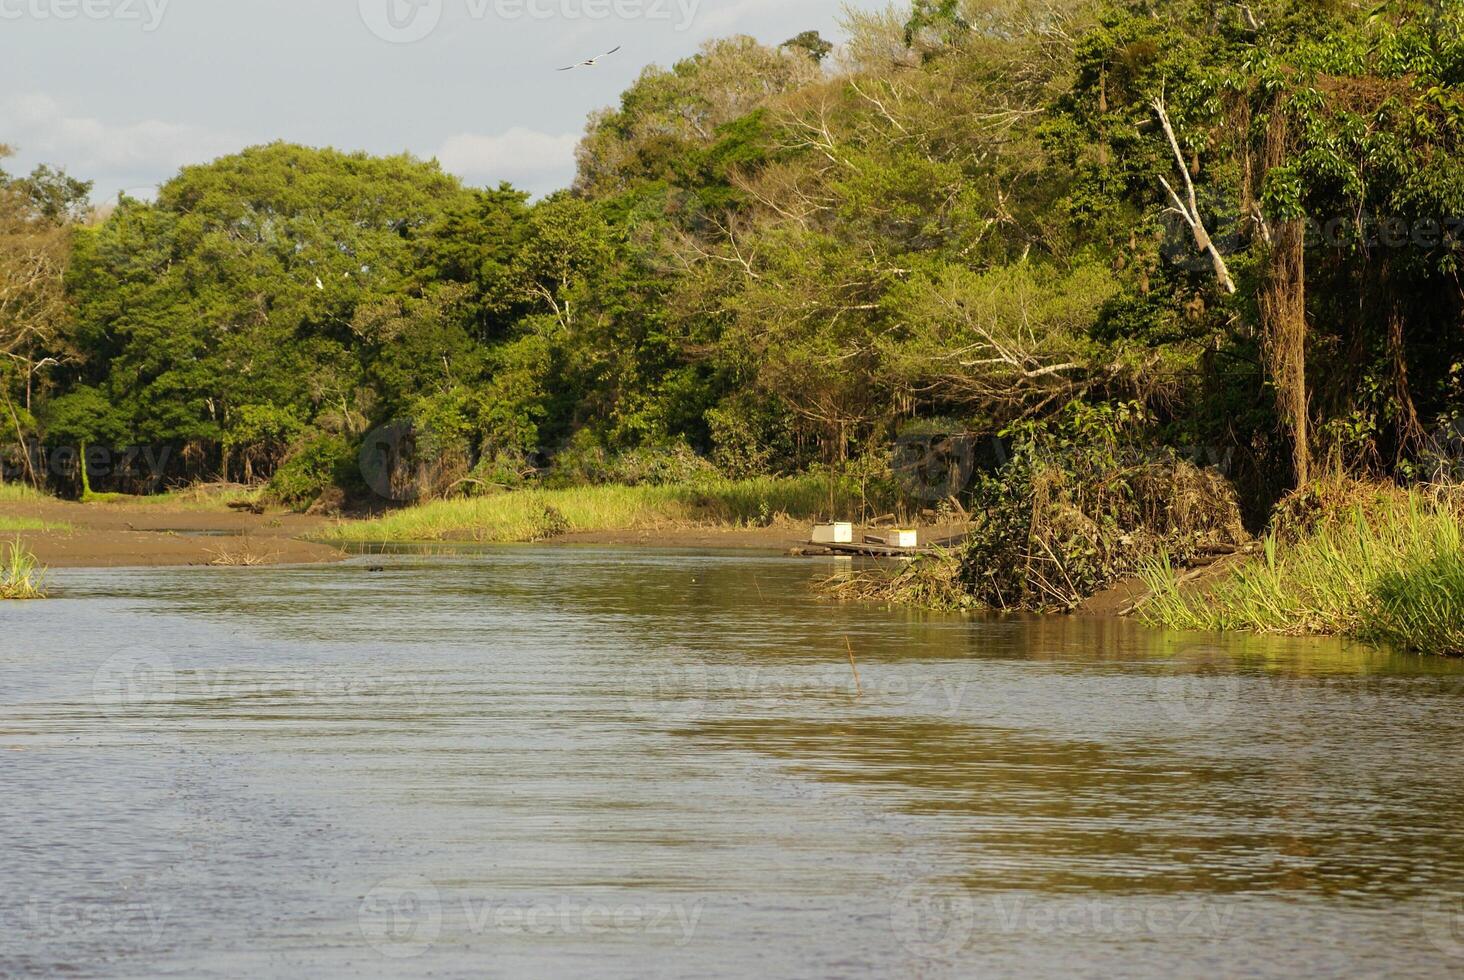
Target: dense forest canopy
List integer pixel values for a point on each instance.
(1242, 221)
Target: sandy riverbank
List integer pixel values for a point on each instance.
(119, 535)
(123, 534)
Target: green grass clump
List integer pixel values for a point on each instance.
(531, 515)
(202, 497)
(9, 525)
(1422, 608)
(1391, 576)
(17, 493)
(20, 576)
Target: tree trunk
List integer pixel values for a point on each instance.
(86, 490)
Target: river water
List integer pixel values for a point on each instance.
(549, 762)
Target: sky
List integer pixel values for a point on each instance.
(124, 92)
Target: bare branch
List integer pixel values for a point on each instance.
(1189, 209)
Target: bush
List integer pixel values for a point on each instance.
(1072, 512)
(584, 462)
(316, 465)
(751, 437)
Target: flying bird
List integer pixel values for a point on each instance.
(590, 62)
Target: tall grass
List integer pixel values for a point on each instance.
(1395, 576)
(15, 493)
(20, 576)
(530, 515)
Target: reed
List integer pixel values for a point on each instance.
(240, 555)
(1394, 576)
(20, 575)
(532, 515)
(1422, 608)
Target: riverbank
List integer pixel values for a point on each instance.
(1367, 561)
(195, 529)
(765, 509)
(155, 532)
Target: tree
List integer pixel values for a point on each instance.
(83, 417)
(810, 43)
(242, 285)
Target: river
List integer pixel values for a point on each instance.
(536, 761)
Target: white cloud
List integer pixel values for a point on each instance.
(531, 159)
(112, 153)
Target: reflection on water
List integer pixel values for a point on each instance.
(539, 762)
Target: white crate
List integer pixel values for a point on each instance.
(833, 534)
(901, 538)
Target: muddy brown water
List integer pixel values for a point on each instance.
(536, 762)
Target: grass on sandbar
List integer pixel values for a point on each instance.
(20, 576)
(20, 493)
(202, 496)
(9, 525)
(1394, 576)
(531, 515)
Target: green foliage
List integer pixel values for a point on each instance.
(534, 514)
(811, 43)
(584, 462)
(320, 462)
(1422, 608)
(1075, 508)
(1393, 573)
(771, 261)
(21, 577)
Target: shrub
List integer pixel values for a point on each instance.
(320, 463)
(585, 462)
(1072, 512)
